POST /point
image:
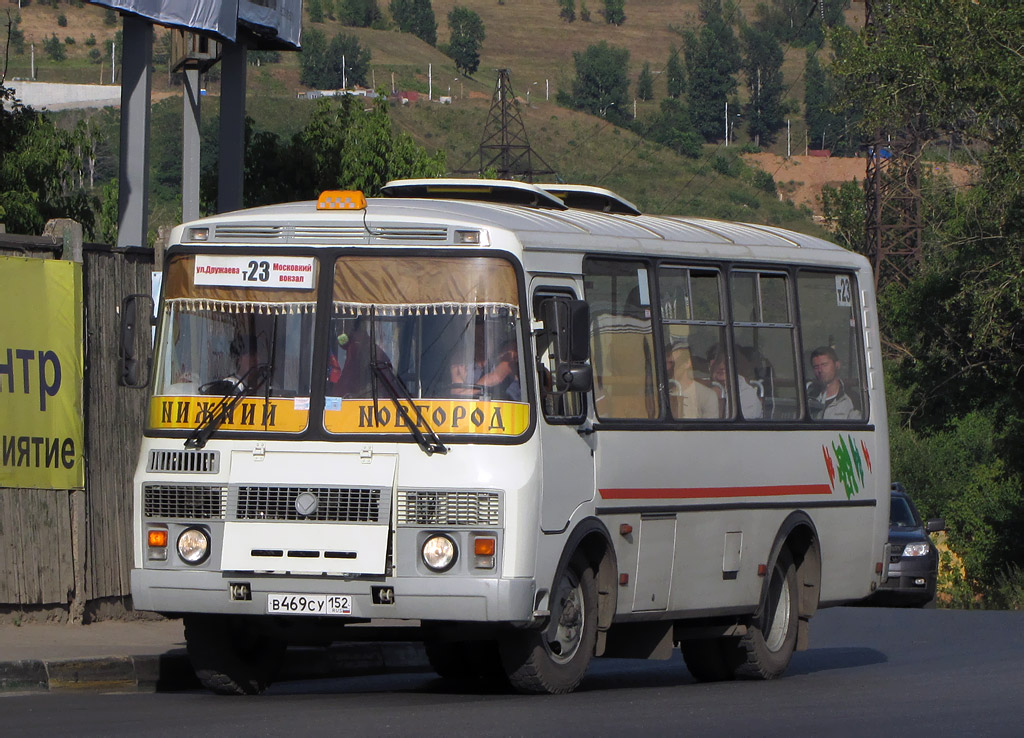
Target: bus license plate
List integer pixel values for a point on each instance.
(296, 604)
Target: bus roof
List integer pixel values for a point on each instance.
(421, 212)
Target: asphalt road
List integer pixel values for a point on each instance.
(869, 671)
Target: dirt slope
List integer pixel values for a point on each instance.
(801, 178)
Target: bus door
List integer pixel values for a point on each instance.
(567, 444)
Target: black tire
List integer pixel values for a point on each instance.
(771, 637)
(711, 659)
(553, 660)
(231, 657)
(466, 660)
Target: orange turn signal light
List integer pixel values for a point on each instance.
(483, 546)
(158, 539)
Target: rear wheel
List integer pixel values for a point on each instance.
(554, 660)
(771, 638)
(230, 656)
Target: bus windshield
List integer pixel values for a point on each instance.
(227, 320)
(449, 331)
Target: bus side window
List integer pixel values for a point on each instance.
(832, 346)
(558, 406)
(693, 326)
(764, 353)
(622, 340)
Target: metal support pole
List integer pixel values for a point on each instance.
(136, 84)
(231, 167)
(190, 144)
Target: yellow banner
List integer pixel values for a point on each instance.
(444, 416)
(41, 433)
(289, 415)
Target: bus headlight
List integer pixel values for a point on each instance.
(439, 553)
(193, 546)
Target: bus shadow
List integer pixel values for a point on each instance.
(817, 660)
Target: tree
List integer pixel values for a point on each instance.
(614, 12)
(346, 144)
(673, 127)
(645, 83)
(944, 73)
(817, 100)
(54, 48)
(346, 49)
(313, 62)
(567, 10)
(359, 13)
(467, 35)
(675, 78)
(315, 8)
(600, 86)
(797, 23)
(12, 36)
(762, 66)
(712, 58)
(415, 17)
(321, 63)
(41, 175)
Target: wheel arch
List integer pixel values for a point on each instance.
(799, 535)
(591, 539)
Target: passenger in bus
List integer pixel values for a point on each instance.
(688, 398)
(352, 377)
(498, 377)
(183, 381)
(750, 402)
(245, 353)
(827, 395)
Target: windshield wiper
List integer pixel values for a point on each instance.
(232, 391)
(399, 393)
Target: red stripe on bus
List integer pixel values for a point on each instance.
(690, 493)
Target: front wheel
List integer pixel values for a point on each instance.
(771, 638)
(554, 660)
(231, 657)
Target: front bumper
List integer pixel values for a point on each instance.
(912, 578)
(472, 599)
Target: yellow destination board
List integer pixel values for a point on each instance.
(444, 416)
(289, 415)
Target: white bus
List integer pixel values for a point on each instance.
(528, 425)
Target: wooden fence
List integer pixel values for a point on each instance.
(70, 551)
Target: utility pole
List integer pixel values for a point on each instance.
(892, 185)
(505, 147)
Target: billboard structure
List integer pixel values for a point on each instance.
(227, 30)
(273, 23)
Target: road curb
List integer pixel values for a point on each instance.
(172, 671)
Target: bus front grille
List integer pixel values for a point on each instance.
(192, 501)
(183, 461)
(321, 504)
(429, 507)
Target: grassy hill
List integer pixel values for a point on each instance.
(524, 36)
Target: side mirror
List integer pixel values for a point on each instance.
(935, 525)
(568, 322)
(134, 371)
(574, 378)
